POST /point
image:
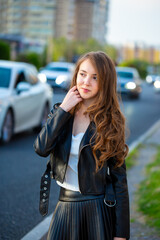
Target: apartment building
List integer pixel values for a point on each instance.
(32, 19)
(139, 51)
(39, 20)
(82, 19)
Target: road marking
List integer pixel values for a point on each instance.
(41, 229)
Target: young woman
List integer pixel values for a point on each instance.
(85, 137)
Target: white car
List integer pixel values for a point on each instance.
(150, 79)
(24, 100)
(59, 74)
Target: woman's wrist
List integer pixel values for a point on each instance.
(64, 108)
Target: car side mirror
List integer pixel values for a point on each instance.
(23, 87)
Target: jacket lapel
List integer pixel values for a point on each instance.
(88, 135)
(67, 142)
(85, 140)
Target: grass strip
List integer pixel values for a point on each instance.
(149, 193)
(132, 156)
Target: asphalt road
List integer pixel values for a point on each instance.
(21, 168)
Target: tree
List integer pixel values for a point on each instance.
(4, 51)
(69, 50)
(111, 51)
(59, 49)
(31, 57)
(140, 65)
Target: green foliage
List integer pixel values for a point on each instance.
(111, 51)
(66, 50)
(132, 156)
(140, 65)
(149, 193)
(4, 51)
(59, 49)
(62, 49)
(31, 57)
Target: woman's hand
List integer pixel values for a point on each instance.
(117, 238)
(71, 99)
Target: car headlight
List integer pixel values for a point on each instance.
(60, 79)
(149, 79)
(157, 84)
(130, 85)
(42, 77)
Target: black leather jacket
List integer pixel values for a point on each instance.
(55, 139)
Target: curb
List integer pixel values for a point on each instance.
(41, 229)
(146, 135)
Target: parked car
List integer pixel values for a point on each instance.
(150, 79)
(59, 74)
(24, 100)
(128, 81)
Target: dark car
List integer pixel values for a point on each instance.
(128, 81)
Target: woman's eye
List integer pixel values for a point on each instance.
(82, 74)
(95, 78)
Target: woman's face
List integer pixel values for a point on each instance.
(87, 83)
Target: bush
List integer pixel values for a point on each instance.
(4, 51)
(32, 58)
(140, 65)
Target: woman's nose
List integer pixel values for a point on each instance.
(87, 80)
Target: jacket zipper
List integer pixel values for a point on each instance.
(78, 162)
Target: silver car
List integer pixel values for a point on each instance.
(150, 79)
(59, 74)
(128, 81)
(24, 100)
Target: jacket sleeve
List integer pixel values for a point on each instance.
(122, 217)
(46, 140)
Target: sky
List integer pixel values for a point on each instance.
(134, 21)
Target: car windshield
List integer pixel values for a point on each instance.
(57, 69)
(5, 75)
(125, 74)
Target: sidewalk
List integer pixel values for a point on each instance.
(139, 229)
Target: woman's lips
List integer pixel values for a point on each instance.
(85, 90)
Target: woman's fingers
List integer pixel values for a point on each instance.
(71, 99)
(72, 89)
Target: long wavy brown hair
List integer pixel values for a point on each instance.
(105, 111)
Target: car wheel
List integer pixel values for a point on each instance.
(7, 129)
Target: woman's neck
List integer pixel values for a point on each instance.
(86, 103)
(83, 107)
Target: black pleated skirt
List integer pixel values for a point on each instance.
(81, 217)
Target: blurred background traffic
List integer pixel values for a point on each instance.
(40, 42)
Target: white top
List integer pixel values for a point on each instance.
(71, 177)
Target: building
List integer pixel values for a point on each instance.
(32, 19)
(139, 51)
(81, 19)
(30, 24)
